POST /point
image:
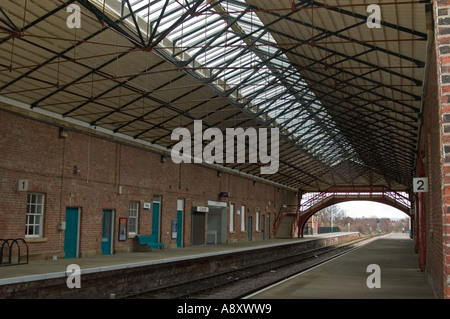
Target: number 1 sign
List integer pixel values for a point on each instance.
(420, 185)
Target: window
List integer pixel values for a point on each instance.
(35, 215)
(231, 218)
(133, 219)
(180, 204)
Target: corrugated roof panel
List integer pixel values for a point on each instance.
(318, 73)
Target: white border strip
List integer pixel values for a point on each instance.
(27, 278)
(309, 269)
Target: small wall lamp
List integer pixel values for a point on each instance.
(63, 132)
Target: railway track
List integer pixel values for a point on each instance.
(242, 282)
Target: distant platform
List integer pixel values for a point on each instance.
(346, 277)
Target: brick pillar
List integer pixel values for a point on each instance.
(442, 40)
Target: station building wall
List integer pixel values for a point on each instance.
(428, 206)
(93, 172)
(434, 156)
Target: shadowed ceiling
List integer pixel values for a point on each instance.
(347, 98)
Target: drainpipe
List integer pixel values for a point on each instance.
(422, 243)
(416, 223)
(421, 220)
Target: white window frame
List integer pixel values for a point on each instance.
(35, 211)
(231, 218)
(134, 216)
(243, 218)
(257, 221)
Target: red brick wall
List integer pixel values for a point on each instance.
(31, 149)
(434, 153)
(429, 154)
(441, 159)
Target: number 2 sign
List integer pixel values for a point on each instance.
(420, 185)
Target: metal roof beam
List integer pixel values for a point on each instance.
(363, 17)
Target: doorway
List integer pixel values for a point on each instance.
(179, 228)
(156, 212)
(249, 228)
(198, 228)
(71, 236)
(180, 209)
(263, 227)
(108, 230)
(217, 225)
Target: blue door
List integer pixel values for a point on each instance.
(107, 232)
(71, 233)
(155, 219)
(180, 229)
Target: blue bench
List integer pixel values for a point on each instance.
(150, 241)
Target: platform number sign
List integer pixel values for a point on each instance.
(420, 185)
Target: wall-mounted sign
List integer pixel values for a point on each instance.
(225, 194)
(200, 209)
(420, 185)
(147, 206)
(23, 184)
(123, 229)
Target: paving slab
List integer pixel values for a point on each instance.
(348, 276)
(44, 269)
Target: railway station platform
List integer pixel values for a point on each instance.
(347, 277)
(102, 276)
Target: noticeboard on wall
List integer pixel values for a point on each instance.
(122, 229)
(174, 228)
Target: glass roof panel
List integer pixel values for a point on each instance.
(230, 41)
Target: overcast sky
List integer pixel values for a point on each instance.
(359, 209)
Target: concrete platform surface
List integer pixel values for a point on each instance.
(46, 269)
(346, 277)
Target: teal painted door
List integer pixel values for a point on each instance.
(263, 227)
(155, 220)
(249, 227)
(71, 233)
(107, 232)
(180, 229)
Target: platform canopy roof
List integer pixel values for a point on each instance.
(346, 97)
